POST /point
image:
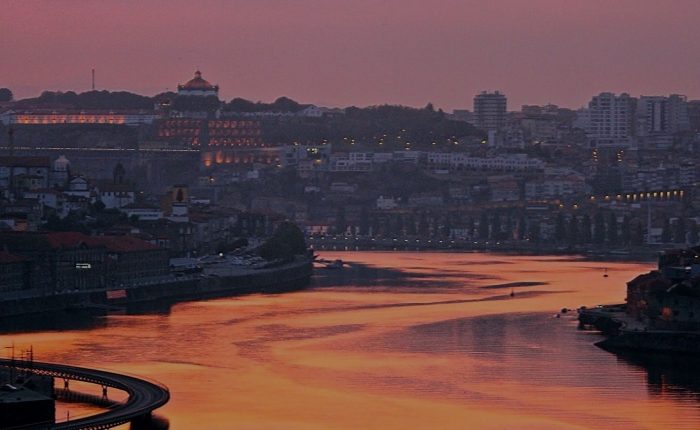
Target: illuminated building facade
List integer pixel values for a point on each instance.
(221, 133)
(39, 117)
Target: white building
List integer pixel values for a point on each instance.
(462, 161)
(352, 161)
(115, 195)
(386, 203)
(79, 187)
(142, 212)
(608, 120)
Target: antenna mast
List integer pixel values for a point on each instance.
(93, 79)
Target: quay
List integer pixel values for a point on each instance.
(661, 311)
(217, 280)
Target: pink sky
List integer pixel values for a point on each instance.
(357, 52)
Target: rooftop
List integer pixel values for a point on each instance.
(198, 83)
(18, 161)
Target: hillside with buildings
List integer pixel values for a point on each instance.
(191, 173)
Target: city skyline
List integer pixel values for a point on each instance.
(392, 52)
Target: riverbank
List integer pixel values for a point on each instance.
(624, 333)
(429, 342)
(593, 252)
(215, 281)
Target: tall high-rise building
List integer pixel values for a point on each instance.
(694, 115)
(662, 115)
(659, 118)
(490, 110)
(608, 120)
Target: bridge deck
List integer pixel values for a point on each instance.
(144, 396)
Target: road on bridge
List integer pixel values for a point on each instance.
(144, 396)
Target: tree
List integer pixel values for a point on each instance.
(599, 229)
(240, 105)
(286, 242)
(5, 95)
(97, 207)
(285, 104)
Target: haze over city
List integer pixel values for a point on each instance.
(341, 53)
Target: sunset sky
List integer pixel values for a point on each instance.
(357, 52)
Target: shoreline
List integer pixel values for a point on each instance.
(647, 257)
(287, 277)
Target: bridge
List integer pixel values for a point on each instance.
(144, 396)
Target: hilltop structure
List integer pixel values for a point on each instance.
(198, 86)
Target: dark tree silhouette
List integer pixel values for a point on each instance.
(285, 243)
(5, 95)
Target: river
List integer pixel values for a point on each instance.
(395, 341)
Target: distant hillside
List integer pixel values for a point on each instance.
(88, 100)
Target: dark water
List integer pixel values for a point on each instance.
(399, 340)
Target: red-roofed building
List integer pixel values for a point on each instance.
(66, 261)
(131, 259)
(61, 261)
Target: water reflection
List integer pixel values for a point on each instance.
(398, 340)
(153, 422)
(677, 375)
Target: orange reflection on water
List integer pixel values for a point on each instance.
(432, 347)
